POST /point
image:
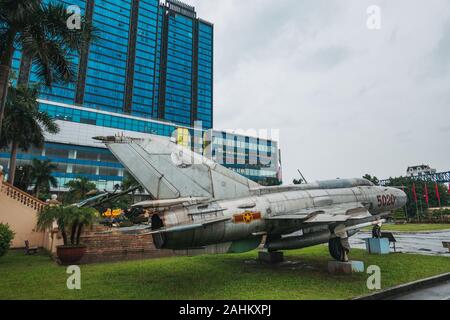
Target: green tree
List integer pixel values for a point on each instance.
(24, 177)
(269, 182)
(414, 209)
(128, 182)
(40, 30)
(42, 175)
(373, 179)
(78, 189)
(24, 125)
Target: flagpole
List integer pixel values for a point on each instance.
(404, 207)
(425, 190)
(415, 200)
(438, 196)
(421, 209)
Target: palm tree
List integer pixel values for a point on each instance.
(24, 124)
(23, 177)
(42, 175)
(373, 179)
(79, 188)
(40, 31)
(129, 182)
(70, 220)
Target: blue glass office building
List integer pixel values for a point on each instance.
(150, 59)
(150, 70)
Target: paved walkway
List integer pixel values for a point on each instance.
(437, 292)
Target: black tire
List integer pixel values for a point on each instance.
(337, 251)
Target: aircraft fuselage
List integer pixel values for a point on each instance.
(251, 218)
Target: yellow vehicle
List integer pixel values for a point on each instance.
(112, 213)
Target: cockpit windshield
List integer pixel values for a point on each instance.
(344, 183)
(361, 182)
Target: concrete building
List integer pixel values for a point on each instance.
(419, 170)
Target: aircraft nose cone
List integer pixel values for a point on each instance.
(402, 198)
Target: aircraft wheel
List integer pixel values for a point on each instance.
(337, 250)
(376, 232)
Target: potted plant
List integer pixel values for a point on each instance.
(71, 221)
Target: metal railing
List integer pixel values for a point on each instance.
(440, 177)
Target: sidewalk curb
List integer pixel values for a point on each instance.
(404, 288)
(413, 232)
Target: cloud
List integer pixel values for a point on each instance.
(347, 100)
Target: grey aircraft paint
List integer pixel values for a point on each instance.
(201, 203)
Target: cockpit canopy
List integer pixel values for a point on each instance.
(344, 183)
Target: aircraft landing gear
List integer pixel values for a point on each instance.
(339, 249)
(376, 231)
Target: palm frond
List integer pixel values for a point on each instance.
(17, 12)
(52, 44)
(23, 122)
(50, 57)
(53, 182)
(47, 122)
(56, 16)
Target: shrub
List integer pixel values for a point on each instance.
(6, 235)
(439, 213)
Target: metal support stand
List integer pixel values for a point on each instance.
(270, 257)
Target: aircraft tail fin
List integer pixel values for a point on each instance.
(169, 171)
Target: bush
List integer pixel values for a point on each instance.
(438, 213)
(6, 235)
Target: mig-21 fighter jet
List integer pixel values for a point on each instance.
(201, 203)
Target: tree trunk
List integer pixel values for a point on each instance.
(80, 228)
(64, 235)
(12, 162)
(24, 71)
(6, 57)
(74, 232)
(36, 189)
(4, 76)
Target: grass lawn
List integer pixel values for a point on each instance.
(209, 277)
(412, 227)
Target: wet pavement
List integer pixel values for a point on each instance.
(437, 292)
(428, 243)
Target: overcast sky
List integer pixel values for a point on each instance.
(347, 100)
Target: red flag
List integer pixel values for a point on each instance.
(414, 192)
(425, 190)
(449, 188)
(438, 196)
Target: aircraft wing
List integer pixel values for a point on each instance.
(187, 227)
(327, 214)
(142, 229)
